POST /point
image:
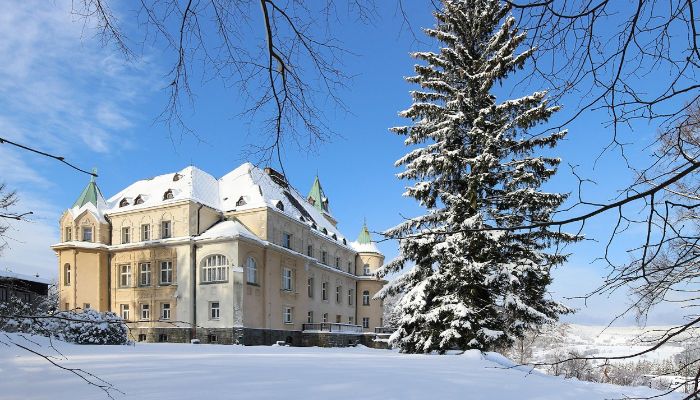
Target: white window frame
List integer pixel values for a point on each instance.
(168, 271)
(325, 317)
(365, 322)
(287, 279)
(165, 311)
(166, 228)
(338, 294)
(214, 310)
(365, 298)
(351, 297)
(324, 257)
(145, 274)
(214, 269)
(324, 291)
(125, 312)
(66, 274)
(365, 270)
(126, 234)
(310, 287)
(286, 240)
(68, 234)
(145, 312)
(337, 262)
(251, 270)
(145, 232)
(125, 275)
(310, 317)
(287, 315)
(87, 237)
(351, 320)
(310, 250)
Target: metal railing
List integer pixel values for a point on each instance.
(331, 327)
(384, 329)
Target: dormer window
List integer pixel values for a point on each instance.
(280, 206)
(311, 200)
(176, 177)
(168, 195)
(324, 230)
(124, 203)
(334, 236)
(302, 219)
(241, 202)
(313, 225)
(345, 242)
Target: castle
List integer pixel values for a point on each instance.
(241, 259)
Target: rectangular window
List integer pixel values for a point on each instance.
(87, 234)
(365, 322)
(287, 240)
(349, 267)
(68, 236)
(338, 319)
(165, 230)
(337, 262)
(162, 338)
(366, 269)
(338, 290)
(145, 274)
(310, 317)
(142, 337)
(125, 276)
(212, 338)
(324, 290)
(165, 311)
(215, 269)
(214, 310)
(67, 306)
(351, 320)
(310, 250)
(287, 279)
(26, 297)
(124, 311)
(86, 306)
(287, 315)
(145, 312)
(3, 294)
(166, 272)
(325, 317)
(66, 275)
(145, 232)
(351, 297)
(324, 257)
(126, 234)
(310, 287)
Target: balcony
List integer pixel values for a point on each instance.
(331, 327)
(384, 330)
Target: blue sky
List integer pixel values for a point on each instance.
(60, 90)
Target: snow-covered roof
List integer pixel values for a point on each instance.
(256, 189)
(246, 187)
(24, 277)
(370, 247)
(190, 183)
(227, 229)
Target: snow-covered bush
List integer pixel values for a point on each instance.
(85, 327)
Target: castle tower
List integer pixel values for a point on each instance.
(82, 252)
(319, 200)
(369, 259)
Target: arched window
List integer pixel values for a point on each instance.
(345, 242)
(334, 236)
(176, 177)
(124, 203)
(280, 206)
(139, 200)
(215, 269)
(66, 275)
(365, 298)
(252, 268)
(240, 202)
(168, 195)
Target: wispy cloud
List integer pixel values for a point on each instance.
(63, 92)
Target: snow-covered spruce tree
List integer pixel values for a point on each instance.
(469, 287)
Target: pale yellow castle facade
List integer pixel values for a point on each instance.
(241, 259)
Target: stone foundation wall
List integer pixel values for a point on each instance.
(255, 337)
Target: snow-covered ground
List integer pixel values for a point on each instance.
(183, 371)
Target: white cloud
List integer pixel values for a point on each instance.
(64, 93)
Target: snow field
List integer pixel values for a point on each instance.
(183, 371)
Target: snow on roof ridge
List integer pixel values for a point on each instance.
(30, 278)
